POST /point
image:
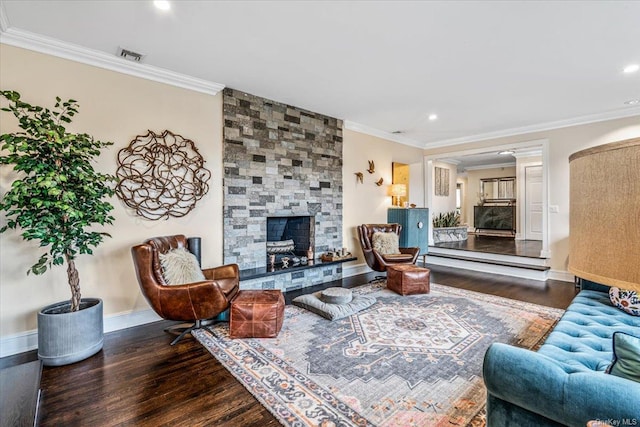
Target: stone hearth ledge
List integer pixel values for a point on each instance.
(293, 278)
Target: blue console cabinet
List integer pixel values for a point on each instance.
(415, 227)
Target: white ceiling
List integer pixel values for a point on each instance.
(486, 68)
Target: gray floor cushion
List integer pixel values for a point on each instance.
(336, 296)
(313, 303)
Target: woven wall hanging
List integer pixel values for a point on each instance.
(161, 175)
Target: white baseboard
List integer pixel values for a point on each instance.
(563, 276)
(545, 254)
(354, 270)
(128, 319)
(28, 340)
(18, 343)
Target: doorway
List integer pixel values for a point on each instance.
(533, 203)
(537, 220)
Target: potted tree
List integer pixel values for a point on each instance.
(57, 199)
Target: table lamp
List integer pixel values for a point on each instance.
(397, 191)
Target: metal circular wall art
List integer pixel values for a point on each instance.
(161, 175)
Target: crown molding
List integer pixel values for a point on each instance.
(31, 41)
(357, 127)
(4, 20)
(527, 153)
(576, 121)
(493, 166)
(453, 162)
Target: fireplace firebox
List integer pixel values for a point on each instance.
(289, 236)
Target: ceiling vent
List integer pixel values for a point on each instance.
(130, 55)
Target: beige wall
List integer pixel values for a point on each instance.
(443, 204)
(118, 107)
(416, 182)
(368, 203)
(113, 107)
(562, 143)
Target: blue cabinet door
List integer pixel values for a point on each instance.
(415, 227)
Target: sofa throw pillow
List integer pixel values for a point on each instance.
(626, 357)
(385, 243)
(179, 266)
(627, 301)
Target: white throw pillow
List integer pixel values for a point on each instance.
(179, 266)
(385, 243)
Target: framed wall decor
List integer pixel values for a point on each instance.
(161, 175)
(441, 181)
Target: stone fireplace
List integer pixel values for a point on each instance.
(279, 161)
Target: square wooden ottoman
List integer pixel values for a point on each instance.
(256, 314)
(408, 279)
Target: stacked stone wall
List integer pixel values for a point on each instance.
(278, 160)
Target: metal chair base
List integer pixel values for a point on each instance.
(185, 328)
(378, 279)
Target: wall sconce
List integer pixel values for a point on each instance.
(397, 191)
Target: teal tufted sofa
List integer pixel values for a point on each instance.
(564, 382)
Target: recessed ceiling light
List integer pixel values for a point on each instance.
(162, 4)
(506, 152)
(633, 102)
(632, 68)
(433, 117)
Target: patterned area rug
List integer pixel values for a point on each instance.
(405, 361)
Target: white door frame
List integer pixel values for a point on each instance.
(542, 144)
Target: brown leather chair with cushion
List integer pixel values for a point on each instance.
(193, 302)
(379, 261)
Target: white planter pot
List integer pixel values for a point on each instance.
(65, 337)
(449, 234)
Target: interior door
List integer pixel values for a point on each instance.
(533, 202)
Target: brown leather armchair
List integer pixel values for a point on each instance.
(376, 260)
(193, 302)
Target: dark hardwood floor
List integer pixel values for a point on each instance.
(139, 379)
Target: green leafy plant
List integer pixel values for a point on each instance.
(58, 196)
(446, 219)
